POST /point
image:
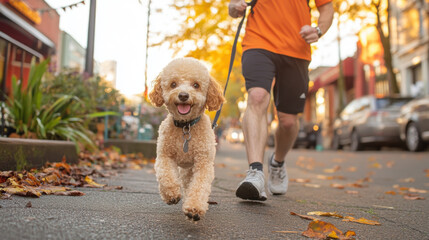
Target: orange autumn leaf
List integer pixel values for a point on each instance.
(323, 230)
(325, 214)
(360, 220)
(338, 186)
(391, 192)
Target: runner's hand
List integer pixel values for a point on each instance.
(309, 34)
(237, 8)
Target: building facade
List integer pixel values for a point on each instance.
(72, 54)
(28, 29)
(410, 45)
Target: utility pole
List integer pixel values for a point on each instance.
(147, 48)
(89, 59)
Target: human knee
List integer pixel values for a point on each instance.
(258, 97)
(288, 121)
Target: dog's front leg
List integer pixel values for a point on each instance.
(197, 194)
(167, 176)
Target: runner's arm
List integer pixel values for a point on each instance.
(236, 8)
(309, 34)
(326, 16)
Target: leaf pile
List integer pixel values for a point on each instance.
(58, 178)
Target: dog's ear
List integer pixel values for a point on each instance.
(155, 95)
(214, 95)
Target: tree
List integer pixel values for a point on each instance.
(378, 11)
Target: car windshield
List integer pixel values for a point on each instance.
(392, 103)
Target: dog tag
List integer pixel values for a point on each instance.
(185, 146)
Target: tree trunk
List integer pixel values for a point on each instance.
(385, 41)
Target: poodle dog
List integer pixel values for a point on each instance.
(186, 144)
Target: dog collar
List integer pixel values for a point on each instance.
(182, 124)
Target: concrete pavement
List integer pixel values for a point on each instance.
(137, 212)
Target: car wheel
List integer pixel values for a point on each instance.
(336, 145)
(355, 145)
(413, 141)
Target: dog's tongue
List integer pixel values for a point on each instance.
(183, 108)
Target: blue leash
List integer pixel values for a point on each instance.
(231, 61)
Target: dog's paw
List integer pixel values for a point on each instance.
(194, 214)
(172, 201)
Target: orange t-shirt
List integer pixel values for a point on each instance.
(275, 26)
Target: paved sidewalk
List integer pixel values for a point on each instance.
(137, 212)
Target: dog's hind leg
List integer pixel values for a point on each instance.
(167, 176)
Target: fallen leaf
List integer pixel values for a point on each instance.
(90, 182)
(352, 192)
(69, 193)
(312, 185)
(325, 214)
(415, 190)
(332, 170)
(351, 169)
(239, 175)
(286, 231)
(336, 185)
(28, 205)
(304, 216)
(413, 197)
(390, 164)
(220, 165)
(391, 192)
(376, 165)
(360, 220)
(113, 187)
(299, 180)
(427, 172)
(408, 180)
(386, 207)
(323, 230)
(212, 202)
(324, 177)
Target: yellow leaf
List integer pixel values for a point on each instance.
(91, 182)
(325, 214)
(360, 220)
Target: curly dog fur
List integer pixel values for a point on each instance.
(186, 89)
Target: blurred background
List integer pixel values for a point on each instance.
(369, 77)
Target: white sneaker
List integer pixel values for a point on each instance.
(253, 186)
(277, 178)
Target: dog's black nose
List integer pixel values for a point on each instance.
(183, 96)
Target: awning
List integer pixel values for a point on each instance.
(20, 45)
(332, 74)
(26, 26)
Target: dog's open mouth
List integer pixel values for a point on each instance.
(184, 108)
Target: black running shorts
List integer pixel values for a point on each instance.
(260, 67)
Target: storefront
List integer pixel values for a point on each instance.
(28, 29)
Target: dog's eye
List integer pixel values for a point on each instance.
(196, 85)
(173, 85)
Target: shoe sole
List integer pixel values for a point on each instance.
(247, 191)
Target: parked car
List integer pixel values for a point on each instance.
(414, 124)
(234, 135)
(307, 134)
(369, 120)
